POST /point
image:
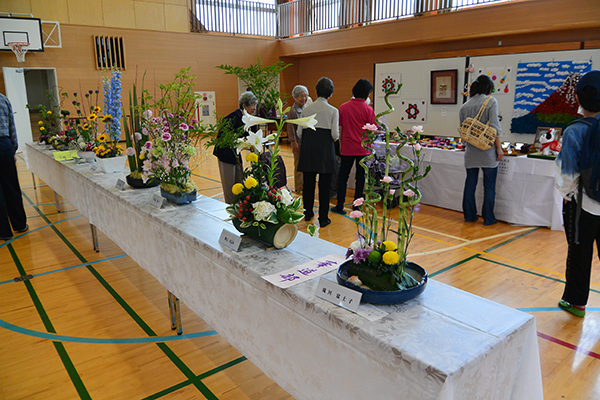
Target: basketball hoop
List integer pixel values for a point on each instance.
(19, 48)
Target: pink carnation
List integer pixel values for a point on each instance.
(387, 179)
(369, 127)
(356, 214)
(358, 202)
(148, 145)
(166, 136)
(409, 193)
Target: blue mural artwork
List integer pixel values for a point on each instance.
(540, 82)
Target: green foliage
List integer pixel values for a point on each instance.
(261, 80)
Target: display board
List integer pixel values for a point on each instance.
(413, 103)
(524, 84)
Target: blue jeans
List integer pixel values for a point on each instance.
(489, 195)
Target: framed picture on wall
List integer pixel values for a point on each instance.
(443, 86)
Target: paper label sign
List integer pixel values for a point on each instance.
(305, 272)
(230, 240)
(157, 200)
(65, 155)
(120, 184)
(339, 295)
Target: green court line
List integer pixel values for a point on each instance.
(60, 348)
(183, 384)
(530, 272)
(485, 251)
(168, 352)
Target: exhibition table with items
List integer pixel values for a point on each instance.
(525, 190)
(445, 344)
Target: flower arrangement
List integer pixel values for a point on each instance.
(51, 123)
(173, 132)
(378, 261)
(107, 144)
(257, 201)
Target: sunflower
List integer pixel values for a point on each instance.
(102, 137)
(92, 117)
(107, 118)
(85, 127)
(96, 110)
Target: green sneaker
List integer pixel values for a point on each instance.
(572, 309)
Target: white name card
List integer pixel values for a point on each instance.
(120, 184)
(157, 200)
(305, 272)
(339, 295)
(230, 240)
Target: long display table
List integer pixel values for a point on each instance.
(446, 344)
(525, 190)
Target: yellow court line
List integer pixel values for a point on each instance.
(439, 233)
(458, 246)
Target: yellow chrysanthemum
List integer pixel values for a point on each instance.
(250, 183)
(251, 157)
(92, 117)
(142, 156)
(40, 122)
(237, 188)
(391, 258)
(389, 245)
(42, 128)
(49, 112)
(102, 138)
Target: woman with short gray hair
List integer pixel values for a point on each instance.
(300, 95)
(230, 163)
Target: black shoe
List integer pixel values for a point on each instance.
(6, 238)
(23, 230)
(323, 224)
(308, 217)
(337, 210)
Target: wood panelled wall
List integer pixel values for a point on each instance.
(343, 55)
(522, 26)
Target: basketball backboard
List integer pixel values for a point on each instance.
(19, 29)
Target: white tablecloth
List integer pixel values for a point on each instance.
(525, 191)
(446, 344)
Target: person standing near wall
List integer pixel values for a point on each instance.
(300, 95)
(12, 211)
(317, 152)
(475, 158)
(582, 228)
(230, 163)
(354, 114)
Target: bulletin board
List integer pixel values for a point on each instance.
(413, 104)
(505, 70)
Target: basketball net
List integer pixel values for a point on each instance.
(19, 48)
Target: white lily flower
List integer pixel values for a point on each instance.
(241, 145)
(418, 128)
(256, 140)
(271, 137)
(279, 106)
(251, 120)
(309, 122)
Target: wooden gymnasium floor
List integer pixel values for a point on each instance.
(96, 326)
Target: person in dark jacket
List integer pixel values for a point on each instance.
(317, 152)
(12, 211)
(230, 163)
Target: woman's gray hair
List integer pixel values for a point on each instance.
(247, 99)
(298, 89)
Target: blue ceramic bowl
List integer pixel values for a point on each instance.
(387, 297)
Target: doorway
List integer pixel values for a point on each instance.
(27, 89)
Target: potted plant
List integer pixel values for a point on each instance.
(261, 80)
(378, 265)
(174, 132)
(260, 209)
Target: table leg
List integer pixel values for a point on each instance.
(33, 179)
(57, 202)
(175, 313)
(95, 238)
